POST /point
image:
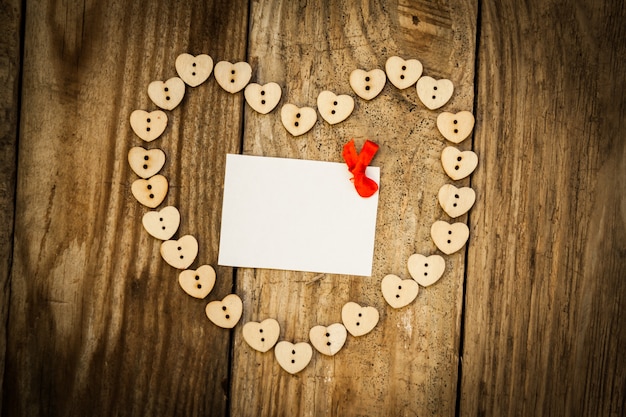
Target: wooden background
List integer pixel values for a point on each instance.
(525, 322)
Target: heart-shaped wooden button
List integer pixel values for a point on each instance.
(198, 283)
(162, 224)
(457, 164)
(426, 270)
(261, 336)
(328, 340)
(293, 357)
(455, 127)
(150, 192)
(434, 93)
(398, 292)
(167, 94)
(367, 84)
(180, 253)
(232, 77)
(225, 313)
(456, 201)
(148, 125)
(263, 98)
(334, 108)
(144, 162)
(298, 120)
(401, 73)
(359, 320)
(449, 238)
(194, 70)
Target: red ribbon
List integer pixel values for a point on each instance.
(357, 162)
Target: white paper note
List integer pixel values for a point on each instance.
(296, 215)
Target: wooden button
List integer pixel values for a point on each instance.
(455, 127)
(457, 164)
(180, 253)
(225, 313)
(194, 70)
(263, 98)
(359, 320)
(434, 93)
(334, 108)
(293, 357)
(328, 340)
(456, 201)
(426, 270)
(232, 77)
(167, 94)
(449, 238)
(261, 336)
(298, 120)
(162, 224)
(401, 73)
(148, 125)
(367, 84)
(398, 292)
(144, 162)
(150, 192)
(197, 283)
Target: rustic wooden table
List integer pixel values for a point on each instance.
(525, 321)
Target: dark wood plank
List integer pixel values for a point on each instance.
(10, 36)
(545, 277)
(408, 364)
(99, 325)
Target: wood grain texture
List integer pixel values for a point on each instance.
(408, 364)
(99, 325)
(10, 36)
(545, 275)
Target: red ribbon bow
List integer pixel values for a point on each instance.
(357, 162)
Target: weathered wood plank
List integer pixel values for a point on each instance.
(408, 364)
(545, 278)
(10, 36)
(99, 325)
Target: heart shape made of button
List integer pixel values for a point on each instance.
(449, 238)
(198, 283)
(403, 73)
(180, 253)
(434, 93)
(263, 98)
(328, 340)
(194, 70)
(457, 164)
(167, 94)
(426, 270)
(398, 292)
(455, 127)
(232, 77)
(225, 313)
(162, 224)
(367, 84)
(146, 162)
(148, 125)
(334, 108)
(293, 357)
(297, 120)
(359, 320)
(261, 336)
(456, 201)
(150, 192)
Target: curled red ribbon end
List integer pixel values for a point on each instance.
(357, 162)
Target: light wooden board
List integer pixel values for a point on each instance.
(99, 324)
(408, 364)
(546, 264)
(10, 37)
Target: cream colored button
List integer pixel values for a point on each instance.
(167, 94)
(398, 292)
(367, 84)
(293, 357)
(334, 108)
(449, 238)
(298, 120)
(261, 336)
(232, 77)
(328, 340)
(359, 320)
(263, 98)
(434, 93)
(456, 201)
(144, 162)
(150, 192)
(194, 70)
(180, 253)
(162, 224)
(457, 164)
(403, 73)
(455, 127)
(225, 313)
(198, 283)
(148, 125)
(426, 270)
